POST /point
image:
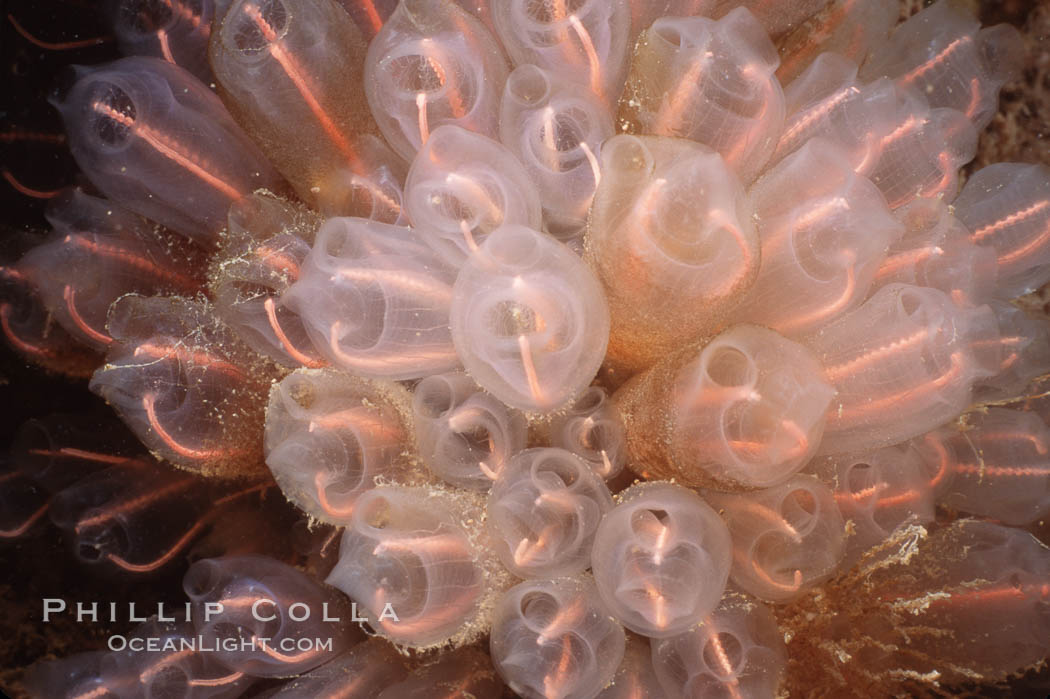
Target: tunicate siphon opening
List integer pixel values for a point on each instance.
(724, 654)
(798, 508)
(529, 85)
(250, 27)
(729, 367)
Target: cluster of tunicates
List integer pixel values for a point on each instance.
(605, 340)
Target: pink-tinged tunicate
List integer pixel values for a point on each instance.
(966, 576)
(411, 567)
(1024, 350)
(170, 670)
(737, 651)
(709, 81)
(824, 231)
(375, 300)
(592, 428)
(100, 252)
(529, 320)
(920, 157)
(878, 492)
(176, 31)
(465, 435)
(291, 73)
(153, 139)
(57, 450)
(786, 539)
(586, 40)
(936, 251)
(669, 220)
(28, 328)
(999, 465)
(746, 410)
(850, 28)
(185, 385)
(556, 130)
(543, 512)
(433, 63)
(330, 437)
(134, 517)
(943, 53)
(829, 101)
(554, 638)
(902, 364)
(1006, 206)
(263, 249)
(661, 559)
(462, 186)
(247, 598)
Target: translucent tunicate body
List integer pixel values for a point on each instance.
(134, 517)
(824, 231)
(330, 437)
(593, 430)
(553, 638)
(1006, 206)
(1024, 349)
(999, 464)
(375, 300)
(291, 73)
(25, 505)
(737, 651)
(29, 331)
(410, 566)
(433, 63)
(878, 491)
(152, 137)
(902, 363)
(176, 31)
(543, 512)
(263, 250)
(529, 320)
(936, 251)
(556, 130)
(746, 410)
(465, 435)
(184, 384)
(661, 559)
(59, 449)
(921, 155)
(73, 675)
(168, 670)
(829, 101)
(669, 220)
(943, 53)
(708, 81)
(584, 39)
(256, 597)
(462, 186)
(786, 539)
(100, 252)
